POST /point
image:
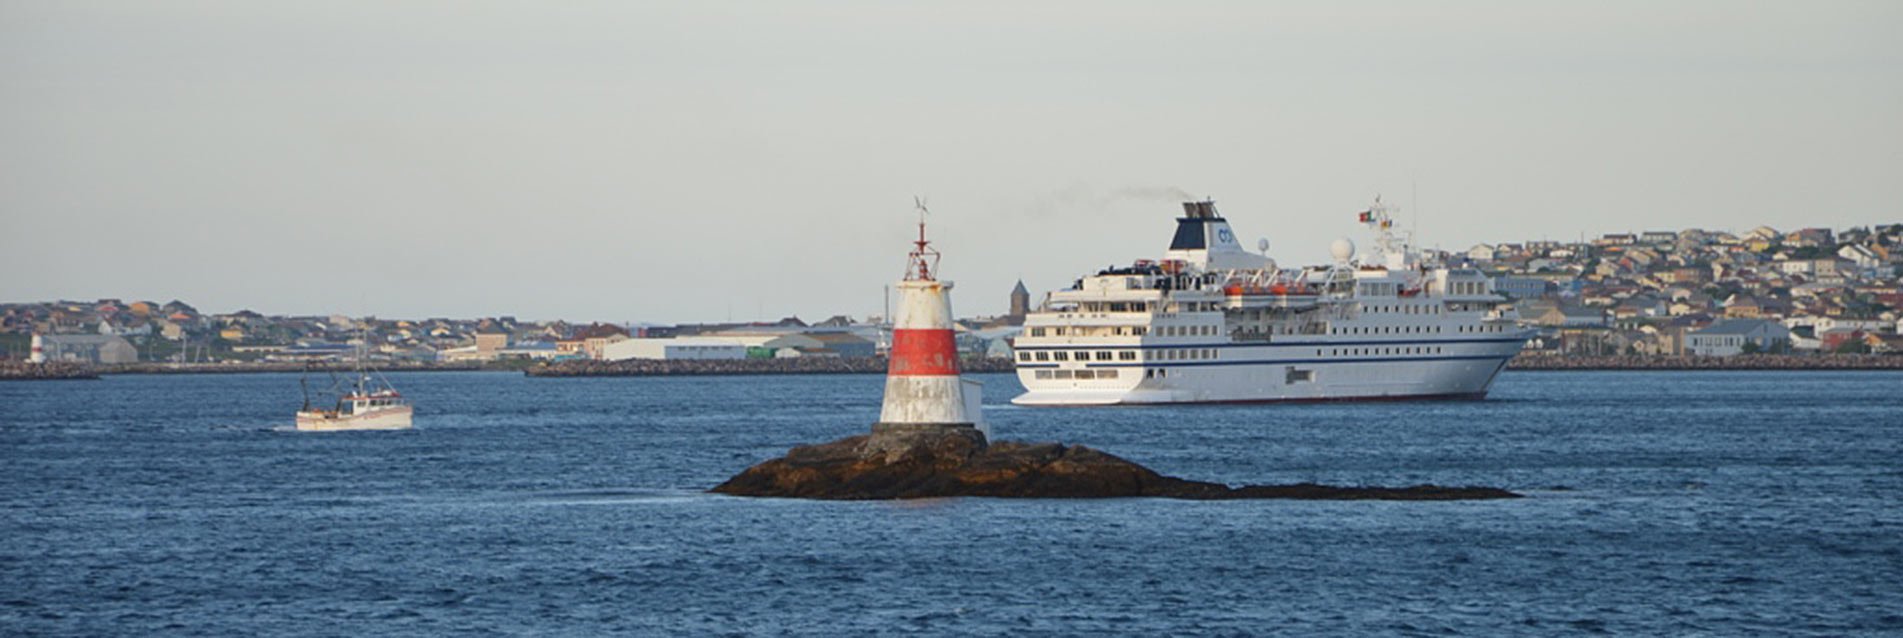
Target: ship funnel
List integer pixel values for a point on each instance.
(1205, 209)
(1203, 238)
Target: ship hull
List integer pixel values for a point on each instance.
(396, 418)
(1275, 374)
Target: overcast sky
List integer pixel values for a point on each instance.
(626, 161)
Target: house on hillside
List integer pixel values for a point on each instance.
(1571, 317)
(491, 338)
(1742, 307)
(596, 337)
(1809, 237)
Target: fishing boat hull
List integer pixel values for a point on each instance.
(393, 418)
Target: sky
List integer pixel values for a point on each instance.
(706, 161)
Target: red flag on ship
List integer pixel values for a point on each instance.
(1367, 216)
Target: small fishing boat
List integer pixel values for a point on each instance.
(368, 404)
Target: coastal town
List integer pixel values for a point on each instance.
(1687, 293)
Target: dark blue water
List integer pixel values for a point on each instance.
(1661, 503)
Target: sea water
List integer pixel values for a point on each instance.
(1674, 503)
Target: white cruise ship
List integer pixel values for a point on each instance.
(1213, 323)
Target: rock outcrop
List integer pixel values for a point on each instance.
(960, 462)
(22, 371)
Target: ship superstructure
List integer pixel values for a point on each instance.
(1213, 322)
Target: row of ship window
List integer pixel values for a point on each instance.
(1106, 373)
(1406, 309)
(1210, 331)
(1387, 330)
(1131, 332)
(1081, 355)
(1361, 352)
(1206, 354)
(1468, 287)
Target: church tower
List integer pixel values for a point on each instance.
(1020, 302)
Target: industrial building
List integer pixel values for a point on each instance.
(674, 349)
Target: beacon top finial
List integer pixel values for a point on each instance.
(922, 265)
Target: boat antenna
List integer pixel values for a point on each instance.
(1414, 197)
(363, 365)
(306, 387)
(363, 348)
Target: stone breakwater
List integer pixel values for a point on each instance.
(1738, 362)
(237, 367)
(22, 371)
(952, 462)
(795, 365)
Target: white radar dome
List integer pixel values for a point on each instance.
(1262, 245)
(1342, 249)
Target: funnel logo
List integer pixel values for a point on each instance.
(1223, 236)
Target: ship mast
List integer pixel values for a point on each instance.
(1377, 219)
(363, 352)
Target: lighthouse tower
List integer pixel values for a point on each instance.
(922, 387)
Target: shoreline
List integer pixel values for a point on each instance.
(1743, 362)
(21, 371)
(799, 365)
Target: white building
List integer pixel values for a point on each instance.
(675, 349)
(1861, 256)
(83, 349)
(1729, 337)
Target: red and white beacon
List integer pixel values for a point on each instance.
(922, 386)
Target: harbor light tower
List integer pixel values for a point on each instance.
(922, 388)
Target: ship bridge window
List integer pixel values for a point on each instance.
(1037, 332)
